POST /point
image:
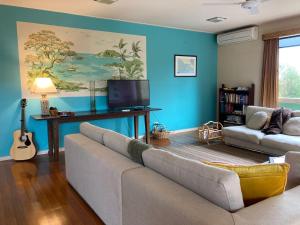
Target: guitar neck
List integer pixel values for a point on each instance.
(23, 126)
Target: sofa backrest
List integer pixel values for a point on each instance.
(113, 140)
(219, 186)
(150, 198)
(296, 113)
(253, 109)
(93, 132)
(117, 142)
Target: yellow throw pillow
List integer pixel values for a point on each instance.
(259, 182)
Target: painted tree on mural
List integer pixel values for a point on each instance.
(129, 65)
(46, 51)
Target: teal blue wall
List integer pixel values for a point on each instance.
(186, 102)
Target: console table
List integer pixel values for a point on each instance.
(53, 123)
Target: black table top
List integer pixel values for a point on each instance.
(104, 112)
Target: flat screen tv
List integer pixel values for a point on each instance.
(128, 93)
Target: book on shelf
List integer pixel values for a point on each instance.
(233, 102)
(233, 119)
(235, 98)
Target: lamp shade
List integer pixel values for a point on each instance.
(43, 85)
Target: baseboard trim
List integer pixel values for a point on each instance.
(4, 158)
(42, 152)
(184, 130)
(175, 131)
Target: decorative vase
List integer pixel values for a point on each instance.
(92, 96)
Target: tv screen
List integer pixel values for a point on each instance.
(128, 93)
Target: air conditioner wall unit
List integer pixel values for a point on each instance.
(247, 34)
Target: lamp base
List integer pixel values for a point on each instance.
(45, 105)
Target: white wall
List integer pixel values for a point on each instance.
(241, 64)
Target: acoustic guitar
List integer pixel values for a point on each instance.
(23, 147)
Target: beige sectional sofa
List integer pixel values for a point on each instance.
(168, 190)
(244, 137)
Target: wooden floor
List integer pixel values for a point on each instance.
(188, 145)
(37, 193)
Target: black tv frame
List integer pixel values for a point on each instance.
(129, 106)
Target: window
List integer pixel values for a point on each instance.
(289, 72)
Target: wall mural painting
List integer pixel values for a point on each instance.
(72, 57)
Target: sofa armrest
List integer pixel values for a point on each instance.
(278, 210)
(293, 158)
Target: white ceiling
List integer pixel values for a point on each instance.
(185, 14)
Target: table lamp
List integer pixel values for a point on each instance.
(43, 86)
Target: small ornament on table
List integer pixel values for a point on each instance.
(53, 111)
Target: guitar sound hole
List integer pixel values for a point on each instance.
(27, 142)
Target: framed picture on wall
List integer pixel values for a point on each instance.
(185, 65)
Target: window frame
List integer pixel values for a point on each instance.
(288, 99)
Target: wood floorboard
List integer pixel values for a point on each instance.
(188, 145)
(37, 193)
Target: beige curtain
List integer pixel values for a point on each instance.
(270, 75)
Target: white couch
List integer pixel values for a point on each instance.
(122, 192)
(244, 137)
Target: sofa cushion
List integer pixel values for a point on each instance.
(253, 109)
(259, 182)
(117, 142)
(279, 210)
(93, 132)
(257, 120)
(296, 113)
(281, 141)
(243, 133)
(219, 186)
(292, 127)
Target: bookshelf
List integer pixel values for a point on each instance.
(232, 104)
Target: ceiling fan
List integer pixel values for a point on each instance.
(251, 5)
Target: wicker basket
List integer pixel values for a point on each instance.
(210, 131)
(159, 131)
(160, 134)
